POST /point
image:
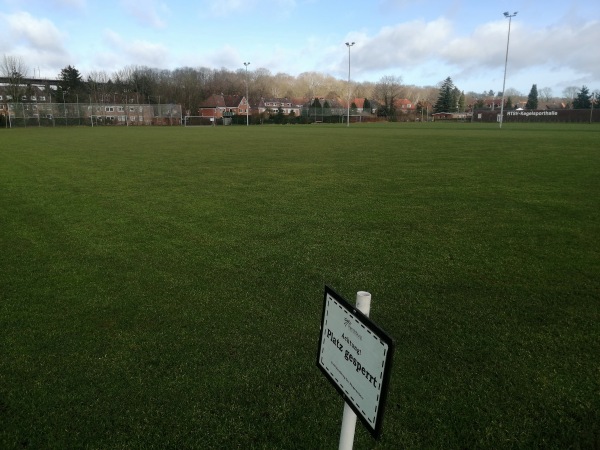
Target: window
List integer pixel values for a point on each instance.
(109, 109)
(120, 109)
(42, 98)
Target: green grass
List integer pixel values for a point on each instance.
(162, 287)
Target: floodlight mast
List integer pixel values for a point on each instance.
(247, 99)
(509, 16)
(349, 44)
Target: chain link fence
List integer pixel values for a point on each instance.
(88, 114)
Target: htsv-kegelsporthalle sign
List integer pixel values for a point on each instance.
(356, 357)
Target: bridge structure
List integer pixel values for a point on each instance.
(31, 81)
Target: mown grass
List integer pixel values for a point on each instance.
(162, 287)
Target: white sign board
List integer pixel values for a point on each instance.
(356, 356)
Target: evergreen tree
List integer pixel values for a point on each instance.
(461, 101)
(326, 110)
(583, 99)
(508, 104)
(367, 105)
(70, 84)
(445, 101)
(532, 99)
(455, 99)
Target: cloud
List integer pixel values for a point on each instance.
(226, 8)
(400, 46)
(416, 47)
(226, 56)
(136, 52)
(41, 34)
(37, 41)
(148, 12)
(564, 47)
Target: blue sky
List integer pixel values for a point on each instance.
(553, 43)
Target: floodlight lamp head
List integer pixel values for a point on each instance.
(506, 14)
(349, 44)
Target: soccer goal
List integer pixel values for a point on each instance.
(94, 120)
(198, 121)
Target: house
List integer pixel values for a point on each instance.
(273, 105)
(358, 102)
(220, 105)
(404, 104)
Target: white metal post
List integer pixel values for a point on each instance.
(509, 16)
(348, 44)
(363, 304)
(247, 99)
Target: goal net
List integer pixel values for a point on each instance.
(198, 121)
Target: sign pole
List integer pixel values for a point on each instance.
(363, 304)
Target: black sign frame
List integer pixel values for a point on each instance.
(379, 333)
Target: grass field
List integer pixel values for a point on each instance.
(162, 287)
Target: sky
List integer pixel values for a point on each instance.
(553, 43)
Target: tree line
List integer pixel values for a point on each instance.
(189, 86)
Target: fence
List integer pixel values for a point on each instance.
(90, 114)
(555, 115)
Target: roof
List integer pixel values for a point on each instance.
(404, 103)
(359, 102)
(222, 101)
(287, 102)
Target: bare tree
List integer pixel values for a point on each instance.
(570, 92)
(14, 69)
(364, 89)
(188, 88)
(260, 80)
(546, 94)
(281, 85)
(98, 83)
(386, 92)
(310, 84)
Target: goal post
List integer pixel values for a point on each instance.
(198, 121)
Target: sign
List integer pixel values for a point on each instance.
(355, 355)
